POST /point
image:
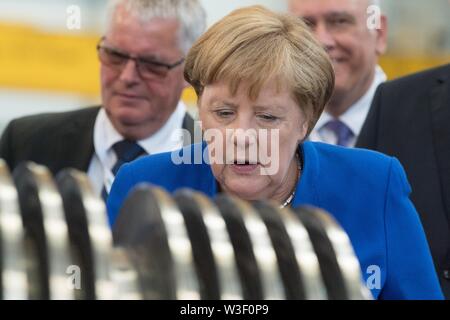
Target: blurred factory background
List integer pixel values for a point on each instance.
(47, 66)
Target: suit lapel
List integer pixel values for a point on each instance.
(78, 141)
(440, 117)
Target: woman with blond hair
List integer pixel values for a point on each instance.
(262, 82)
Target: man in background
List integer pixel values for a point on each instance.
(409, 119)
(345, 29)
(141, 74)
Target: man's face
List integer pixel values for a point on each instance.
(139, 107)
(341, 26)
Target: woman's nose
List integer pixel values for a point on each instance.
(243, 133)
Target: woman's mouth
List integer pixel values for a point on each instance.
(244, 167)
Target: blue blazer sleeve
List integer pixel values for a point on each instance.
(410, 269)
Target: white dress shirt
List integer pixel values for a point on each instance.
(354, 117)
(105, 136)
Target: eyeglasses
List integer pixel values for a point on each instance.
(148, 69)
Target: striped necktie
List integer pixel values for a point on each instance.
(343, 133)
(126, 151)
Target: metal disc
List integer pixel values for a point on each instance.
(204, 262)
(285, 252)
(344, 268)
(255, 256)
(307, 259)
(152, 231)
(211, 246)
(329, 266)
(248, 270)
(13, 275)
(47, 238)
(89, 233)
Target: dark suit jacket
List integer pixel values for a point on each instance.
(56, 140)
(410, 119)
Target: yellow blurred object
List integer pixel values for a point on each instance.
(34, 59)
(397, 66)
(189, 97)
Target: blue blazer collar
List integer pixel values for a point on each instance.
(306, 191)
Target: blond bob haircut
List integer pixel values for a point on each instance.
(254, 45)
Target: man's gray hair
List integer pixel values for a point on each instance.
(189, 13)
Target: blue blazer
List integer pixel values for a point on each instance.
(367, 192)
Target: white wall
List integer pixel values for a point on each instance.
(16, 103)
(217, 9)
(51, 14)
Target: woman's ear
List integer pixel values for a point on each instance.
(303, 131)
(305, 126)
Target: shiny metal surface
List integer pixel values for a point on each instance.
(264, 252)
(56, 233)
(12, 237)
(99, 235)
(222, 249)
(346, 257)
(306, 256)
(180, 247)
(165, 247)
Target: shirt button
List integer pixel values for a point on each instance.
(447, 274)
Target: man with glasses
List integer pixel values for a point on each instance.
(354, 36)
(141, 74)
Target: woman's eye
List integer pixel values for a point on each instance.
(268, 117)
(224, 113)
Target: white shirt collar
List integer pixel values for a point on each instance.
(105, 136)
(355, 116)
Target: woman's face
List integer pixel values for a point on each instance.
(252, 144)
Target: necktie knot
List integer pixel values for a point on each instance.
(341, 130)
(127, 150)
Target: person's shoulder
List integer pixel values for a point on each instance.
(419, 80)
(351, 159)
(356, 169)
(331, 150)
(53, 120)
(58, 116)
